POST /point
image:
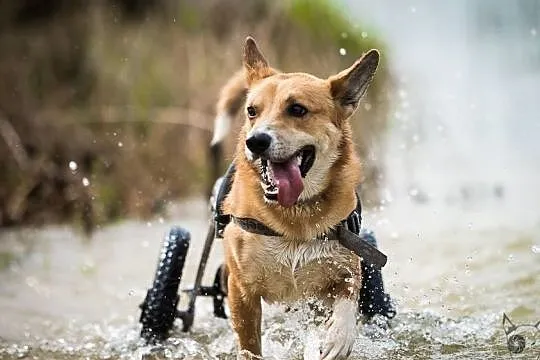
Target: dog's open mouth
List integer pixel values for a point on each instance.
(282, 180)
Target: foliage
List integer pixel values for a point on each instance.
(128, 95)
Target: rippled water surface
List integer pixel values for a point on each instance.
(63, 296)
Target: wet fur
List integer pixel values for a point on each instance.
(295, 266)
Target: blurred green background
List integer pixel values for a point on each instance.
(106, 107)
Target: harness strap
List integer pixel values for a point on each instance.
(254, 226)
(369, 253)
(346, 232)
(347, 238)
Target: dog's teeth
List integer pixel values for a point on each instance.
(299, 160)
(270, 174)
(264, 174)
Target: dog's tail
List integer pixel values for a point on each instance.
(231, 100)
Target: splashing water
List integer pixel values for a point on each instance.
(66, 297)
(463, 165)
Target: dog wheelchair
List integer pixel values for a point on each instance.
(159, 308)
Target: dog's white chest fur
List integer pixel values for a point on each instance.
(295, 255)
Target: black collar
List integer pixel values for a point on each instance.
(341, 232)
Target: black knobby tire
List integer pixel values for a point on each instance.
(159, 307)
(373, 300)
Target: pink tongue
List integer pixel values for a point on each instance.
(289, 180)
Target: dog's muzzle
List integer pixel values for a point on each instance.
(282, 179)
(281, 173)
(258, 143)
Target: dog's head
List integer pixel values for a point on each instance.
(296, 123)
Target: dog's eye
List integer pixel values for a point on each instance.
(297, 110)
(251, 111)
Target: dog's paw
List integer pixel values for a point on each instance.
(341, 331)
(247, 355)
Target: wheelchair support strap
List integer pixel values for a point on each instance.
(346, 232)
(347, 238)
(369, 253)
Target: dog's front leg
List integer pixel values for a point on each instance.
(246, 320)
(341, 329)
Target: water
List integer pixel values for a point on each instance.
(460, 224)
(66, 297)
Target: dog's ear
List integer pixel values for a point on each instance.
(348, 87)
(255, 65)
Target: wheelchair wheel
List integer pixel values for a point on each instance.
(158, 311)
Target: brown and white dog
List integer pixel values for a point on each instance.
(296, 172)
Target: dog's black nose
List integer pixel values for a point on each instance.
(258, 143)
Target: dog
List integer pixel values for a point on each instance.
(296, 173)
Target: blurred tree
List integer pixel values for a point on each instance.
(125, 89)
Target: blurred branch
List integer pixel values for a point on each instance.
(117, 114)
(14, 144)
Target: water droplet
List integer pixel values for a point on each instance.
(535, 249)
(85, 181)
(342, 52)
(73, 165)
(364, 34)
(344, 35)
(120, 144)
(131, 292)
(413, 192)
